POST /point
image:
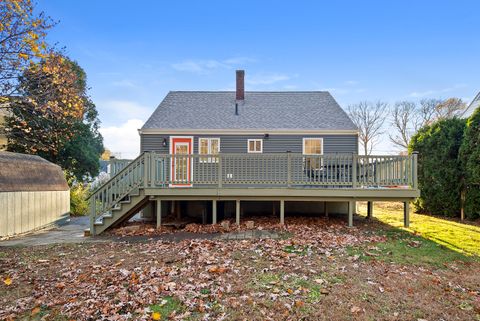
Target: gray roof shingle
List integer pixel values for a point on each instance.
(315, 110)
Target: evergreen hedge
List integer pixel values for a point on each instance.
(439, 167)
(470, 157)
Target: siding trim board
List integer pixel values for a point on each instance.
(259, 131)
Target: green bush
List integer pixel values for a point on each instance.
(78, 199)
(439, 167)
(470, 157)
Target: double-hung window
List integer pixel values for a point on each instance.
(313, 147)
(255, 145)
(208, 146)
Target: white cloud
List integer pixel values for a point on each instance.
(124, 139)
(351, 82)
(206, 66)
(266, 78)
(124, 83)
(431, 92)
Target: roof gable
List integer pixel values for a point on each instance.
(316, 110)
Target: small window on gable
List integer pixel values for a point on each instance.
(255, 145)
(208, 146)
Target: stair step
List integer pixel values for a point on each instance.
(97, 223)
(125, 202)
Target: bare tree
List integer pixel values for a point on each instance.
(369, 118)
(408, 117)
(450, 108)
(427, 111)
(405, 122)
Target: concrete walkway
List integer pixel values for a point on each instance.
(72, 232)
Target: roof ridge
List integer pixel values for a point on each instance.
(249, 91)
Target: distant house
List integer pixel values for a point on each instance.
(226, 153)
(474, 104)
(33, 194)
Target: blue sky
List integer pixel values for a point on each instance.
(134, 52)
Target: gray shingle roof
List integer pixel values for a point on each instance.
(316, 110)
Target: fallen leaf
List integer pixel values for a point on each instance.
(7, 281)
(156, 316)
(355, 309)
(299, 303)
(35, 311)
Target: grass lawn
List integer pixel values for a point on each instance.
(457, 236)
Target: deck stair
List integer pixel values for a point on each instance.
(119, 198)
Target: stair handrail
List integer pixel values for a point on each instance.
(117, 174)
(109, 194)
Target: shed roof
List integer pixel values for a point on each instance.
(291, 110)
(21, 172)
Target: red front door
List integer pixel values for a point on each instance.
(181, 165)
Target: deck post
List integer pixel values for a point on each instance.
(159, 213)
(92, 215)
(406, 214)
(237, 212)
(220, 171)
(214, 212)
(354, 171)
(282, 212)
(369, 209)
(178, 210)
(145, 170)
(289, 169)
(325, 209)
(351, 206)
(415, 170)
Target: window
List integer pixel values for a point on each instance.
(208, 146)
(255, 145)
(312, 146)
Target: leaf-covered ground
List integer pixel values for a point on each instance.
(318, 270)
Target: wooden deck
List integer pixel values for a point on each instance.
(266, 177)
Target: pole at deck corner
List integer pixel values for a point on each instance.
(92, 215)
(415, 170)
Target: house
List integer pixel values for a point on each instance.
(33, 194)
(474, 104)
(225, 153)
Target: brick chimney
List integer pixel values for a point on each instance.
(240, 85)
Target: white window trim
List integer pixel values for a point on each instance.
(321, 148)
(316, 138)
(209, 147)
(254, 151)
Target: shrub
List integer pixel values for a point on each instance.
(439, 167)
(470, 158)
(78, 199)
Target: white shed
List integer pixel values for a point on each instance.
(33, 194)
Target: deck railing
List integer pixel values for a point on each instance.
(155, 170)
(287, 169)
